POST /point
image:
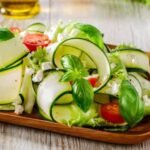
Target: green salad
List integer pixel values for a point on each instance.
(70, 76)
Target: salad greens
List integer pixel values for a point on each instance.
(68, 79)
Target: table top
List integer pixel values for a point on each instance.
(121, 22)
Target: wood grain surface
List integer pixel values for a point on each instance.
(121, 22)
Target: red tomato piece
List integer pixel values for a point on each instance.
(93, 80)
(15, 29)
(32, 41)
(110, 112)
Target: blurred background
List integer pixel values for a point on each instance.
(121, 21)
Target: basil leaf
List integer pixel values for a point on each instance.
(131, 106)
(82, 90)
(5, 34)
(68, 76)
(74, 67)
(71, 62)
(83, 94)
(91, 33)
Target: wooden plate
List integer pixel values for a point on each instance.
(135, 135)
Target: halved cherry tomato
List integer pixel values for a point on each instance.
(110, 112)
(93, 80)
(32, 41)
(15, 29)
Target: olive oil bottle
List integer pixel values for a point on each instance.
(19, 9)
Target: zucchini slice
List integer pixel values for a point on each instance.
(145, 84)
(101, 98)
(11, 51)
(36, 27)
(135, 60)
(27, 93)
(78, 47)
(135, 82)
(7, 107)
(10, 83)
(12, 66)
(51, 90)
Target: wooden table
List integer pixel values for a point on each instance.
(121, 22)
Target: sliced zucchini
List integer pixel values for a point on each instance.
(135, 59)
(10, 83)
(80, 46)
(11, 51)
(27, 93)
(135, 82)
(101, 98)
(86, 61)
(7, 107)
(145, 84)
(36, 27)
(51, 90)
(12, 66)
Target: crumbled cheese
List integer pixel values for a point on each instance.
(38, 76)
(19, 109)
(30, 71)
(22, 34)
(146, 100)
(113, 87)
(46, 66)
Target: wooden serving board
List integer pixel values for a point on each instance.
(135, 135)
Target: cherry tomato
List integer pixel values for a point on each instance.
(110, 112)
(15, 29)
(32, 41)
(93, 80)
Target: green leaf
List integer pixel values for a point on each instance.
(124, 46)
(83, 94)
(5, 34)
(40, 55)
(74, 67)
(71, 62)
(131, 106)
(82, 90)
(92, 33)
(68, 76)
(147, 2)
